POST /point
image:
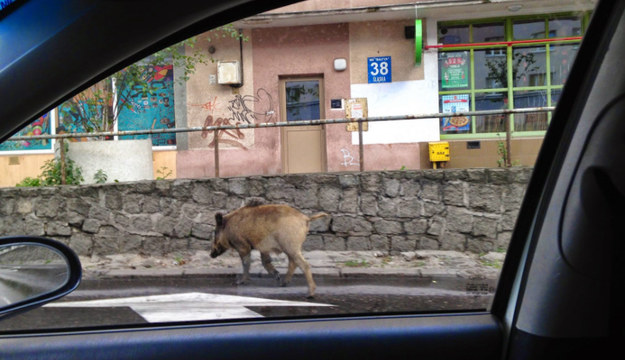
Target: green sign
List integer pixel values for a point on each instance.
(418, 41)
(454, 70)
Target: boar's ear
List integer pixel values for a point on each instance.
(219, 217)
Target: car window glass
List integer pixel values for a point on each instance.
(289, 164)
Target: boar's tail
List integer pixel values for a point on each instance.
(317, 216)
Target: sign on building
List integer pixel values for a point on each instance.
(356, 109)
(454, 67)
(379, 69)
(455, 104)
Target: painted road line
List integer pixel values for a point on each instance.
(188, 307)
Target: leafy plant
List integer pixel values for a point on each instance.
(29, 182)
(51, 174)
(502, 152)
(100, 177)
(164, 172)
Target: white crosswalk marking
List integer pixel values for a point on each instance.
(187, 307)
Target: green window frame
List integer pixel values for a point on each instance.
(542, 88)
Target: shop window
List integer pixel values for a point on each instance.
(491, 68)
(565, 27)
(530, 74)
(490, 123)
(453, 34)
(528, 29)
(488, 32)
(530, 121)
(562, 57)
(529, 66)
(555, 96)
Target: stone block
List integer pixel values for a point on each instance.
(358, 243)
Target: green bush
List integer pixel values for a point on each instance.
(51, 174)
(29, 181)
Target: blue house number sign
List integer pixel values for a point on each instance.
(379, 69)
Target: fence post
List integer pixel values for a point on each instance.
(216, 141)
(508, 142)
(361, 149)
(63, 175)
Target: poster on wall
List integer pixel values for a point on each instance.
(455, 104)
(41, 126)
(454, 67)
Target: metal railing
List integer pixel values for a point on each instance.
(359, 121)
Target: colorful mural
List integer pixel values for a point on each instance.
(40, 126)
(154, 110)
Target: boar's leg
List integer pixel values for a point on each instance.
(246, 260)
(266, 260)
(289, 272)
(303, 264)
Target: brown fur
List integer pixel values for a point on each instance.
(266, 228)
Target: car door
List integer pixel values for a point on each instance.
(561, 289)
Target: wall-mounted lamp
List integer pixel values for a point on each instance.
(340, 64)
(211, 49)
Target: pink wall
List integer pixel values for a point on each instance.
(303, 51)
(278, 53)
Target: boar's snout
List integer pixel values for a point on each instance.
(217, 250)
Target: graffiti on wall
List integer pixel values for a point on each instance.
(348, 159)
(241, 109)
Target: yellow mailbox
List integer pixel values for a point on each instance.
(439, 152)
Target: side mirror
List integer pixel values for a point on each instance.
(34, 271)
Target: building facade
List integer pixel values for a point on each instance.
(315, 59)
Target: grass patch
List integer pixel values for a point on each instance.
(492, 263)
(356, 263)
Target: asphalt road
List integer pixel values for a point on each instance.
(171, 299)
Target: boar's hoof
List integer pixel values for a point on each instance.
(310, 296)
(284, 283)
(242, 282)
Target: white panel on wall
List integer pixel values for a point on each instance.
(399, 98)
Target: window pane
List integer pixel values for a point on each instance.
(455, 104)
(529, 66)
(302, 100)
(563, 27)
(490, 123)
(529, 29)
(454, 70)
(530, 121)
(488, 32)
(555, 96)
(491, 69)
(561, 61)
(453, 34)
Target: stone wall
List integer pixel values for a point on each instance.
(457, 209)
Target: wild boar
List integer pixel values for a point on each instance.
(266, 228)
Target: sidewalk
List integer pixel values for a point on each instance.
(341, 264)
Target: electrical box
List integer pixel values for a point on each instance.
(356, 109)
(439, 151)
(229, 72)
